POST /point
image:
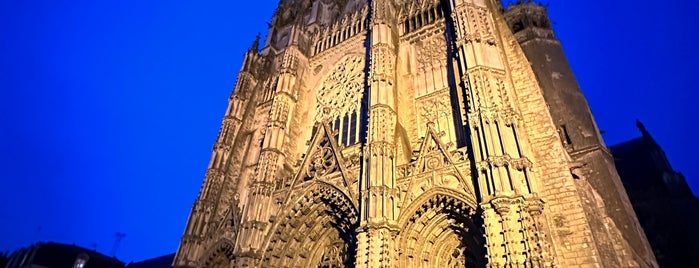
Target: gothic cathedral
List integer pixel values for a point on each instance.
(410, 133)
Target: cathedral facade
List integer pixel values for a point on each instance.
(404, 133)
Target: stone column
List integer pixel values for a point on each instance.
(379, 194)
(503, 169)
(260, 206)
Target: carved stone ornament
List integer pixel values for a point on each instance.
(323, 161)
(342, 90)
(432, 144)
(435, 108)
(432, 53)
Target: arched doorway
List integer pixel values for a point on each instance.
(317, 230)
(443, 231)
(220, 256)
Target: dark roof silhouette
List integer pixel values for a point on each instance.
(164, 261)
(52, 254)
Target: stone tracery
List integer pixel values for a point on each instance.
(340, 98)
(432, 53)
(342, 90)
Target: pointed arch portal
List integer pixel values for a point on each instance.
(220, 256)
(317, 230)
(441, 231)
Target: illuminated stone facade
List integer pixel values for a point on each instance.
(403, 133)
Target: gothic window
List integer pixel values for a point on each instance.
(340, 99)
(336, 127)
(353, 128)
(345, 129)
(416, 21)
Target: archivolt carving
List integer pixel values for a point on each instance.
(334, 256)
(220, 255)
(440, 230)
(342, 90)
(318, 222)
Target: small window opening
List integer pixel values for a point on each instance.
(517, 27)
(565, 136)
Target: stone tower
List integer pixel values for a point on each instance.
(404, 133)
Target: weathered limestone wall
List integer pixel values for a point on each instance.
(568, 226)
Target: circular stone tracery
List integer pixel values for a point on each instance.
(342, 89)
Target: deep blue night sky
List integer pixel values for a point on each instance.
(108, 109)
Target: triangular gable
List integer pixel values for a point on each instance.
(431, 144)
(322, 157)
(432, 156)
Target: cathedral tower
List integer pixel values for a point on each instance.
(594, 170)
(403, 133)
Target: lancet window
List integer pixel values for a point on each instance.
(420, 19)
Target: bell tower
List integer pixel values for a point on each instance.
(593, 164)
(403, 133)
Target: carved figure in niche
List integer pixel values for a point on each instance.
(458, 259)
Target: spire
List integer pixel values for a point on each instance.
(642, 128)
(255, 44)
(646, 135)
(382, 10)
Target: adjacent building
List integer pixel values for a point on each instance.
(57, 255)
(666, 207)
(164, 261)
